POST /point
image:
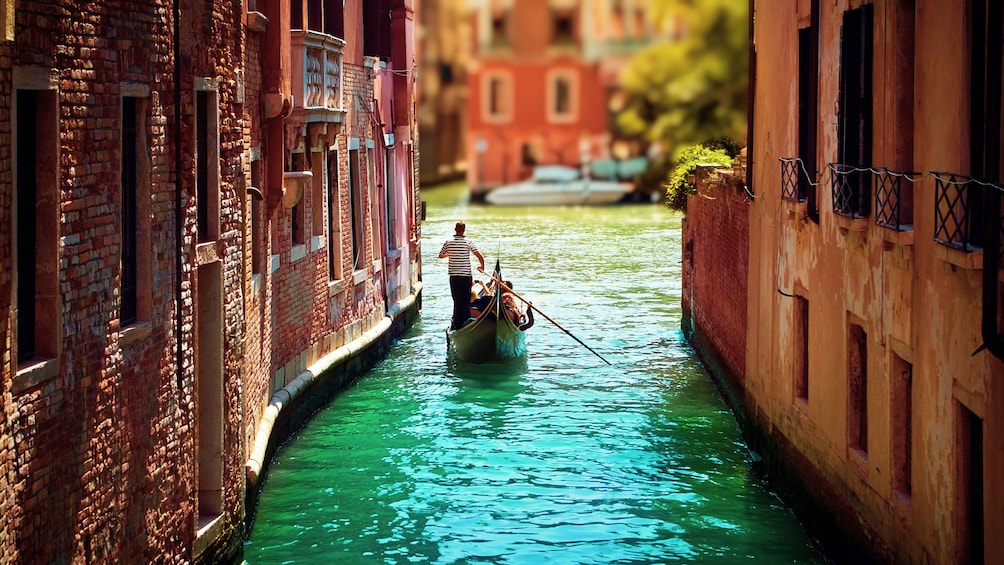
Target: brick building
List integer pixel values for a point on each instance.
(873, 354)
(207, 225)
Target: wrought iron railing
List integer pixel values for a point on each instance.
(317, 71)
(894, 198)
(851, 190)
(956, 200)
(793, 185)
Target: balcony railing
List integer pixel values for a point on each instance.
(956, 199)
(793, 182)
(851, 190)
(894, 198)
(317, 75)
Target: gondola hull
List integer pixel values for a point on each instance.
(491, 338)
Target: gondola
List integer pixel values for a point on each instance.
(492, 337)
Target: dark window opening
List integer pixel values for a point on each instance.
(377, 29)
(562, 96)
(296, 14)
(971, 489)
(356, 209)
(129, 248)
(202, 163)
(563, 29)
(801, 331)
(902, 428)
(857, 388)
(499, 38)
(334, 254)
(808, 111)
(334, 18)
(257, 236)
(854, 121)
(27, 228)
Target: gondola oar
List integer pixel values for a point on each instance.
(549, 319)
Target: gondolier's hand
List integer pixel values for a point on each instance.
(481, 269)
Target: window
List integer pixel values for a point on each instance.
(499, 37)
(334, 218)
(135, 209)
(857, 388)
(497, 98)
(297, 221)
(562, 28)
(902, 426)
(36, 225)
(390, 192)
(985, 111)
(334, 18)
(207, 165)
(376, 200)
(800, 329)
(562, 92)
(808, 109)
(257, 219)
(969, 477)
(854, 122)
(377, 29)
(317, 190)
(356, 209)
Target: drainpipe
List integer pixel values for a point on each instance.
(993, 337)
(750, 99)
(178, 214)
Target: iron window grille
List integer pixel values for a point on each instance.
(893, 201)
(954, 210)
(793, 184)
(851, 188)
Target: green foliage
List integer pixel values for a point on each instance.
(677, 187)
(692, 89)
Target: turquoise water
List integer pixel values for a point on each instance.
(556, 458)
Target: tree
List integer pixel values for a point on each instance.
(694, 89)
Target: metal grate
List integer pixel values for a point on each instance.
(850, 187)
(792, 189)
(893, 199)
(952, 204)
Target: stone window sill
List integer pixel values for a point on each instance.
(33, 373)
(972, 260)
(138, 331)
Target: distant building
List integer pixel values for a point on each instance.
(866, 353)
(544, 82)
(207, 225)
(443, 45)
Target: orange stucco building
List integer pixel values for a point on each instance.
(540, 83)
(873, 366)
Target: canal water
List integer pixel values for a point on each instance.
(556, 458)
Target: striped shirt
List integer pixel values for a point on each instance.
(459, 250)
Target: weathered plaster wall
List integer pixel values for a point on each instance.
(918, 300)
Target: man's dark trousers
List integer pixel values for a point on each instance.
(460, 288)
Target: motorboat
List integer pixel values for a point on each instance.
(557, 185)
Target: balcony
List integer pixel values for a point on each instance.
(794, 184)
(851, 188)
(317, 77)
(894, 198)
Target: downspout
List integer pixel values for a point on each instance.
(178, 215)
(993, 338)
(750, 101)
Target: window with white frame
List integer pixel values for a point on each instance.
(497, 97)
(562, 96)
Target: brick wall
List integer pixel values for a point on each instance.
(98, 460)
(716, 265)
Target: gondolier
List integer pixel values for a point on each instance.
(459, 249)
